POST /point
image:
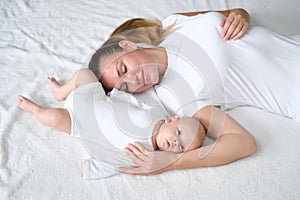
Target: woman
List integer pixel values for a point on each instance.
(230, 73)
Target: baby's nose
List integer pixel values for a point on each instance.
(175, 142)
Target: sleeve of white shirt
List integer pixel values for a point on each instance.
(94, 169)
(173, 18)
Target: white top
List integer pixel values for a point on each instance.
(106, 125)
(248, 71)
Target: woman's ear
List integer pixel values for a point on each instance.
(126, 44)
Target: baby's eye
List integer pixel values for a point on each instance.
(178, 132)
(182, 148)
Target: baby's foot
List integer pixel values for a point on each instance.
(82, 169)
(27, 105)
(55, 87)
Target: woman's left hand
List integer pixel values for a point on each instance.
(236, 24)
(148, 162)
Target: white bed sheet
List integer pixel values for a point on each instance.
(55, 38)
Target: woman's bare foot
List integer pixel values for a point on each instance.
(56, 89)
(27, 105)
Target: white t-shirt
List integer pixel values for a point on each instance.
(106, 125)
(261, 69)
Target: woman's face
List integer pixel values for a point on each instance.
(129, 71)
(177, 136)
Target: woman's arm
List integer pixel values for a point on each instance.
(232, 143)
(234, 26)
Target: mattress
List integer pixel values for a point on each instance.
(55, 38)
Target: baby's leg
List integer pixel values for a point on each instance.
(57, 118)
(80, 78)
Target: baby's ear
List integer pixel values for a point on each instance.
(171, 119)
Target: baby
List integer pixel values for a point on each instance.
(173, 134)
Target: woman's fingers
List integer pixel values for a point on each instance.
(235, 25)
(236, 31)
(231, 28)
(239, 32)
(227, 24)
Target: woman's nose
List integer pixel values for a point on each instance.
(130, 78)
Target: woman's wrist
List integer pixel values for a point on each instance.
(242, 12)
(175, 163)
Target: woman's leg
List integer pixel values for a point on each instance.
(57, 118)
(80, 78)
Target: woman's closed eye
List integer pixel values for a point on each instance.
(124, 69)
(121, 69)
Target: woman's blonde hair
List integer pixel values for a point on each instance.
(141, 30)
(137, 30)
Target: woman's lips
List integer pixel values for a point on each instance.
(141, 78)
(144, 78)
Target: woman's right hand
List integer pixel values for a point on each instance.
(236, 24)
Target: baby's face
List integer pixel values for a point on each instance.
(179, 135)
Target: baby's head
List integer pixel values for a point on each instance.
(180, 134)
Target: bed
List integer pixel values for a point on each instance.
(55, 38)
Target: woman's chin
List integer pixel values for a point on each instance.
(143, 88)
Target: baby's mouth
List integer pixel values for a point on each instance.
(168, 144)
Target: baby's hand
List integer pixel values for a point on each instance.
(82, 169)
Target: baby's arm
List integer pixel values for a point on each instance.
(80, 78)
(94, 169)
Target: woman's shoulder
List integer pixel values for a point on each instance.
(180, 18)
